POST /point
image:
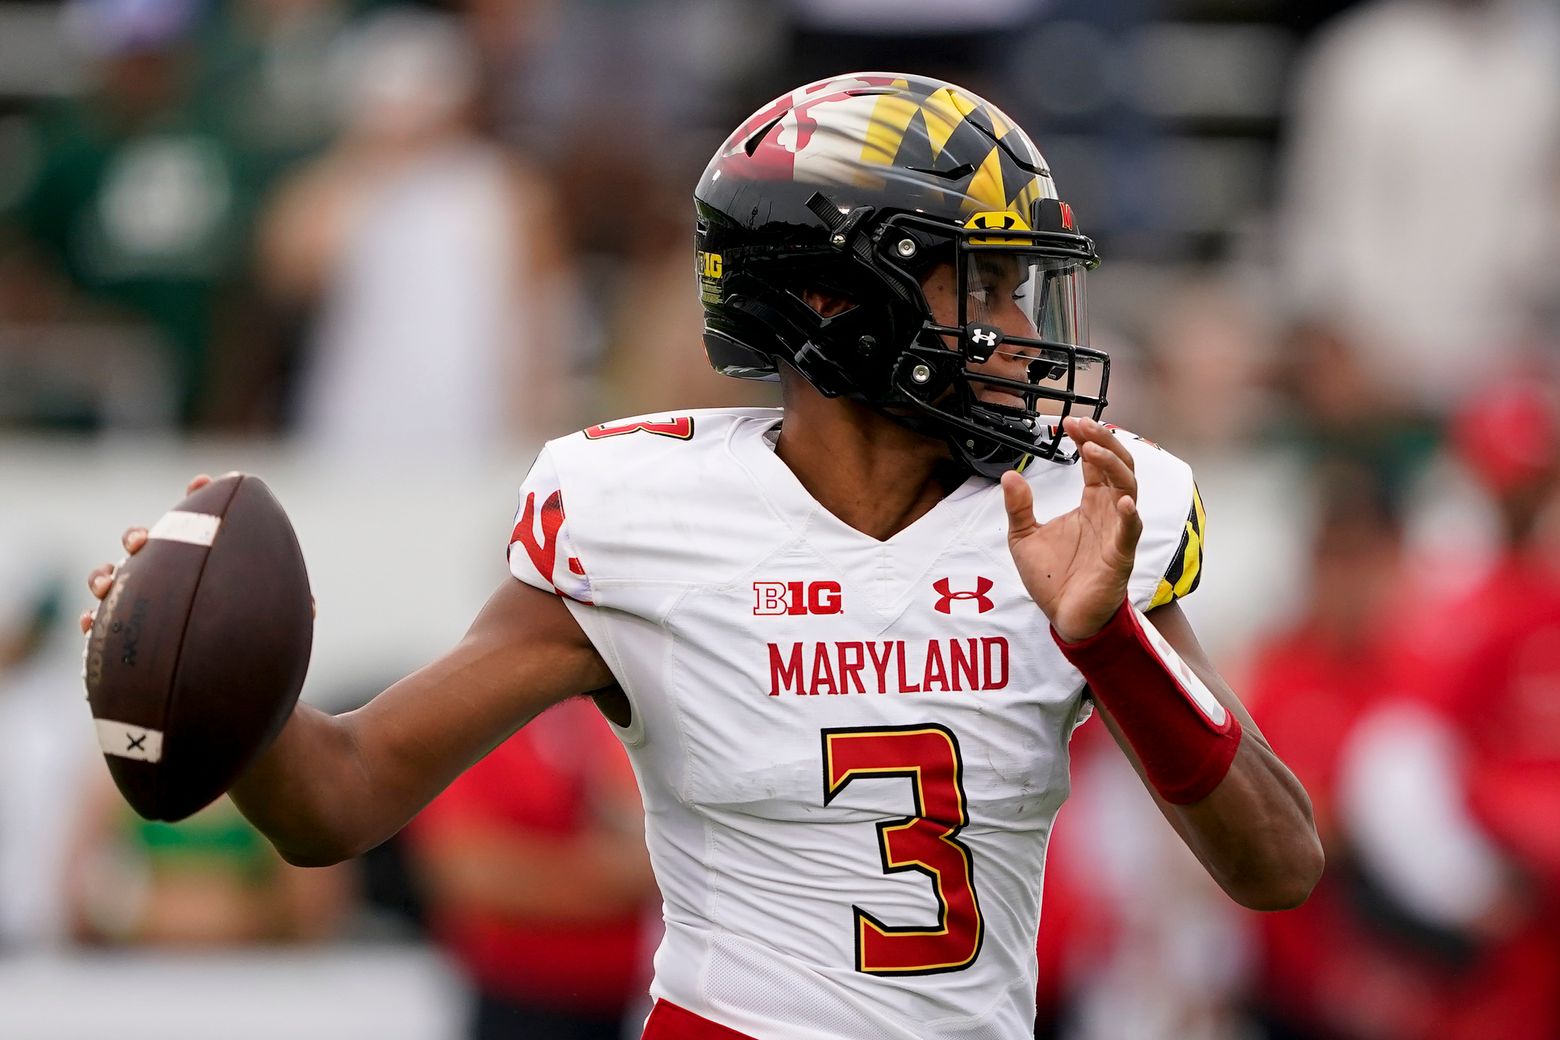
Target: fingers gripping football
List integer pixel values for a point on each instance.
(100, 580)
(1076, 566)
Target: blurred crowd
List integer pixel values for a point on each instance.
(376, 230)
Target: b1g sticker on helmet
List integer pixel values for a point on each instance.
(711, 269)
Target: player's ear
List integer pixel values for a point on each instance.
(826, 303)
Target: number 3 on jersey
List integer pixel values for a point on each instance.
(928, 756)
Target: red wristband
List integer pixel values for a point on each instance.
(1184, 737)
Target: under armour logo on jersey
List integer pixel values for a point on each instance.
(946, 595)
(980, 341)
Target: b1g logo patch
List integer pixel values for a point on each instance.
(796, 598)
(679, 427)
(711, 269)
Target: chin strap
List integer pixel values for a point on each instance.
(1185, 738)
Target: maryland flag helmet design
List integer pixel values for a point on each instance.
(936, 221)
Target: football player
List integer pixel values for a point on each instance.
(845, 642)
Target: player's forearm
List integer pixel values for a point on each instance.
(309, 793)
(1255, 833)
(1202, 757)
(332, 787)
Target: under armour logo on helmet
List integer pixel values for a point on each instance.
(946, 595)
(981, 340)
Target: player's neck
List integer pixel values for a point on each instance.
(870, 472)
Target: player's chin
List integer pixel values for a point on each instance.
(1003, 398)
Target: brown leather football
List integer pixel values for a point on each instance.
(199, 650)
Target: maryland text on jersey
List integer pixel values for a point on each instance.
(974, 665)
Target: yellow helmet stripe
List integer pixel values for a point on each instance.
(986, 186)
(886, 127)
(1027, 196)
(939, 127)
(1000, 126)
(945, 110)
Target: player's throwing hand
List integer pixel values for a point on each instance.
(1076, 566)
(101, 579)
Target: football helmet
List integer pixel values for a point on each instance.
(935, 220)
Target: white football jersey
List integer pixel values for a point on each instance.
(851, 751)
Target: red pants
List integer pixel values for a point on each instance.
(670, 1022)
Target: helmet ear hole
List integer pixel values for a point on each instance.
(827, 302)
(730, 355)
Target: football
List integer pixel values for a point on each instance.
(198, 652)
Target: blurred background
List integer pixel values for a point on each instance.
(377, 252)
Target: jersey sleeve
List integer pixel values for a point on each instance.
(1170, 551)
(541, 549)
(1180, 578)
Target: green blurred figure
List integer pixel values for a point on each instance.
(140, 201)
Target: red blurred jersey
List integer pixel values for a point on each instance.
(1488, 665)
(1494, 672)
(1321, 966)
(539, 782)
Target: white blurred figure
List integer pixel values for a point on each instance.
(1421, 188)
(42, 711)
(428, 253)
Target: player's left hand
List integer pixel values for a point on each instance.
(1076, 566)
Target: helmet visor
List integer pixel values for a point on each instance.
(1025, 295)
(1024, 331)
